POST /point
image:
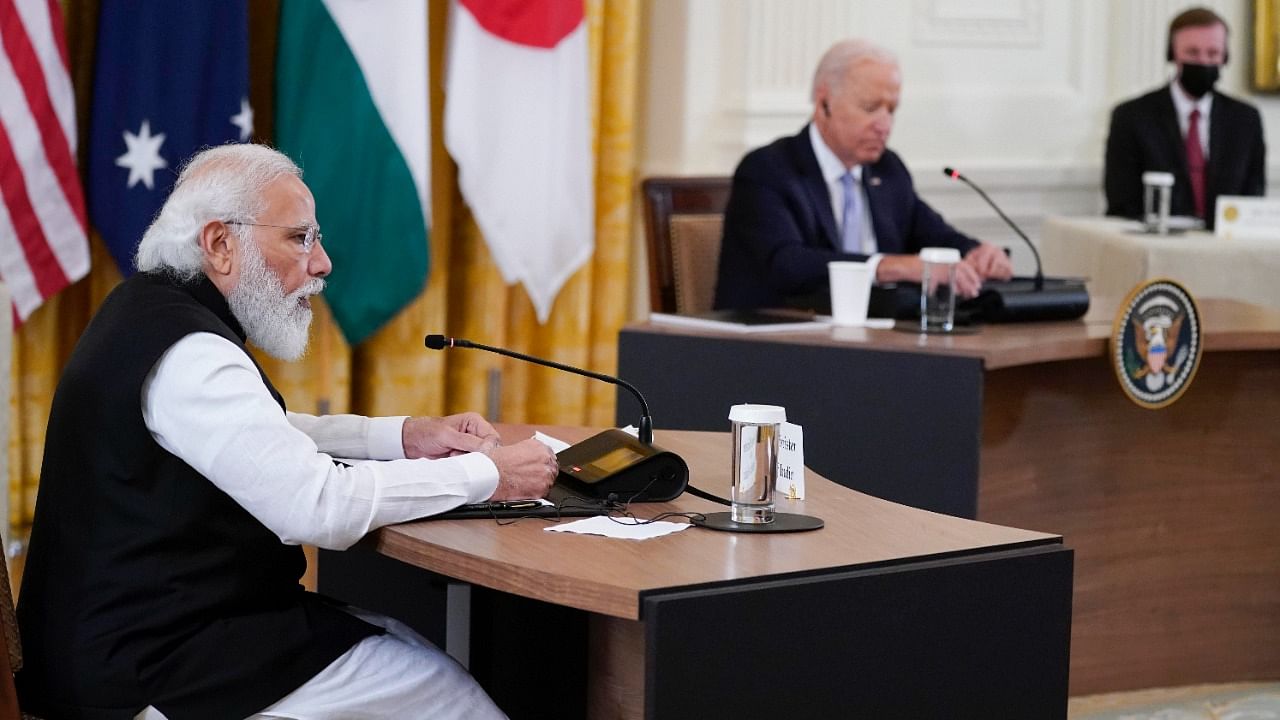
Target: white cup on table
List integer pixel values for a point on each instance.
(850, 291)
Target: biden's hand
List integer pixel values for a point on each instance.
(990, 262)
(909, 268)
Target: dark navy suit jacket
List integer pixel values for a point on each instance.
(780, 230)
(1145, 137)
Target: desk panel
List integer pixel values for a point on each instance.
(899, 425)
(1172, 514)
(963, 637)
(935, 598)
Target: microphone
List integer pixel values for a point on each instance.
(440, 342)
(1018, 300)
(609, 465)
(1039, 277)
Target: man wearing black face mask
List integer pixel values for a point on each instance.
(1211, 143)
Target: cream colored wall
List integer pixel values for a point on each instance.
(1017, 93)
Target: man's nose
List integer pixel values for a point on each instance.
(319, 264)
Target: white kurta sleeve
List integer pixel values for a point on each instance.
(354, 436)
(205, 402)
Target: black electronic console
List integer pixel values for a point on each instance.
(615, 465)
(611, 465)
(1020, 299)
(1028, 300)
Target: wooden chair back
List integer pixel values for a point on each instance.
(684, 217)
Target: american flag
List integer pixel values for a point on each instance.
(43, 239)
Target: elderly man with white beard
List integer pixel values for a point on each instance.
(163, 571)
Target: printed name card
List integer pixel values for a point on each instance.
(1247, 217)
(790, 482)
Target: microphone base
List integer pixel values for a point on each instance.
(614, 466)
(782, 523)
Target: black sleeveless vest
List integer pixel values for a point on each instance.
(145, 584)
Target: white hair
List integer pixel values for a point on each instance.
(843, 55)
(221, 183)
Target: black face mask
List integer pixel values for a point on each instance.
(1197, 79)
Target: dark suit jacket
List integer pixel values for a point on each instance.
(1145, 137)
(780, 230)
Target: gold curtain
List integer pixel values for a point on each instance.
(392, 373)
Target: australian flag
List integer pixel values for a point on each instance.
(169, 78)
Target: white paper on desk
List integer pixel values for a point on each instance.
(878, 323)
(556, 444)
(625, 528)
(869, 323)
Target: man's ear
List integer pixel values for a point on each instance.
(820, 102)
(218, 247)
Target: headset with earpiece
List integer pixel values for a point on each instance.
(1168, 46)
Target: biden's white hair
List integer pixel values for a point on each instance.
(221, 183)
(843, 55)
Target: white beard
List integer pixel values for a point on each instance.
(273, 320)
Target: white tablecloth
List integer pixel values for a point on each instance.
(1115, 256)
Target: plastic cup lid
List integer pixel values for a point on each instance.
(939, 255)
(758, 414)
(1159, 179)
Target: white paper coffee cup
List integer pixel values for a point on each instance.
(850, 291)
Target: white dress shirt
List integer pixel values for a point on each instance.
(205, 402)
(1183, 105)
(832, 170)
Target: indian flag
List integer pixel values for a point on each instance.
(351, 110)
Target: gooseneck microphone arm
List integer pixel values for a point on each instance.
(955, 175)
(440, 342)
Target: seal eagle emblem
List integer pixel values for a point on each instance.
(1156, 343)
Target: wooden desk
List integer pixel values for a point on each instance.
(887, 612)
(1171, 512)
(1115, 258)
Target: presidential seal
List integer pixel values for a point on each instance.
(1156, 343)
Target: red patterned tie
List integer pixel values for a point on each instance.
(1195, 162)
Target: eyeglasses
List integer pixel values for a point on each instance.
(307, 236)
